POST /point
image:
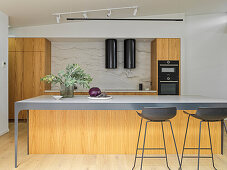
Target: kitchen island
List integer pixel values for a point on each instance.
(82, 126)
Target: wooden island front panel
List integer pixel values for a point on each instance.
(111, 132)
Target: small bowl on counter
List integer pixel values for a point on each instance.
(57, 97)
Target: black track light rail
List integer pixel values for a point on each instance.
(122, 19)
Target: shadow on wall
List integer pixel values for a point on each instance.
(206, 39)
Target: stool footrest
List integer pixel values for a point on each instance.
(197, 157)
(151, 157)
(197, 148)
(150, 148)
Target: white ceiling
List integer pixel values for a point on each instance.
(39, 12)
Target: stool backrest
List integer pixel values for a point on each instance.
(159, 113)
(208, 113)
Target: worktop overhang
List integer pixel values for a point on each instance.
(108, 91)
(119, 102)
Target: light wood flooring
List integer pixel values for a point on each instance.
(89, 162)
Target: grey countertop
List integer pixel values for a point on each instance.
(116, 90)
(77, 99)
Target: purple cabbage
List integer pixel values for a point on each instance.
(94, 91)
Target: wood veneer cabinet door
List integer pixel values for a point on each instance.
(112, 132)
(47, 62)
(154, 81)
(162, 48)
(16, 44)
(174, 48)
(34, 44)
(29, 60)
(34, 69)
(15, 81)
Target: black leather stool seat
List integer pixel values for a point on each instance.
(210, 114)
(158, 114)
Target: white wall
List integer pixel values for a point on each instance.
(105, 29)
(3, 74)
(206, 55)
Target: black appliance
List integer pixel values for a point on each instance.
(168, 77)
(129, 53)
(111, 53)
(140, 86)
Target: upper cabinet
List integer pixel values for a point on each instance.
(16, 44)
(35, 44)
(162, 46)
(28, 44)
(174, 48)
(167, 48)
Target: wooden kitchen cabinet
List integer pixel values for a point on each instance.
(154, 66)
(163, 49)
(32, 86)
(16, 44)
(29, 60)
(174, 48)
(34, 44)
(15, 81)
(167, 48)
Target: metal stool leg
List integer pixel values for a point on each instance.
(137, 144)
(164, 145)
(199, 143)
(141, 166)
(184, 142)
(225, 126)
(174, 141)
(211, 145)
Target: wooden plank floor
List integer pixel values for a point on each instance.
(88, 162)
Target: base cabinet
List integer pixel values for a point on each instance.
(112, 132)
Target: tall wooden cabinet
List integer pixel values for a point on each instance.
(163, 49)
(29, 60)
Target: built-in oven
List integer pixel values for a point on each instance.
(168, 77)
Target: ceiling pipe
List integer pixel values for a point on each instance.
(124, 19)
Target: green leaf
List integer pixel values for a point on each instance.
(73, 74)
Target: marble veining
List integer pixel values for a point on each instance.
(91, 57)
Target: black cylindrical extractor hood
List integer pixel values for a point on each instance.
(130, 53)
(111, 53)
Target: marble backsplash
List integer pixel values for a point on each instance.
(90, 55)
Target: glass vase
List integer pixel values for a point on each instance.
(66, 92)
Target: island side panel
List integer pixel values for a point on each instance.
(111, 132)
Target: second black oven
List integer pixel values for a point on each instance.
(168, 77)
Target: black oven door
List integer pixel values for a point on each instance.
(168, 88)
(168, 70)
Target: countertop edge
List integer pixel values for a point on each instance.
(131, 91)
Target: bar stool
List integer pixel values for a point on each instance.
(152, 114)
(205, 115)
